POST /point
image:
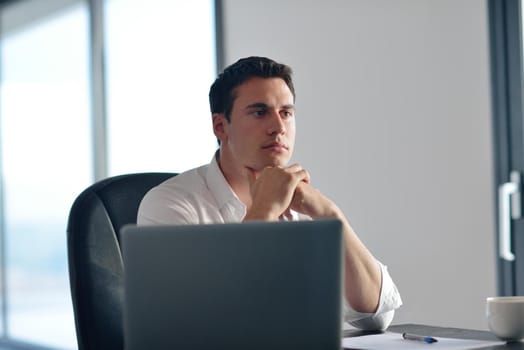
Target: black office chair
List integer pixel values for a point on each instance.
(95, 261)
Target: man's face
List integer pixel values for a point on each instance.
(261, 130)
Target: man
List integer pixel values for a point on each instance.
(252, 105)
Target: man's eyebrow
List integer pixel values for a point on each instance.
(256, 105)
(265, 105)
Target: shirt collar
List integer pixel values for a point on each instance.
(219, 186)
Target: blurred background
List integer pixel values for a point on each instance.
(394, 123)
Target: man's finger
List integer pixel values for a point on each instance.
(303, 173)
(293, 168)
(307, 178)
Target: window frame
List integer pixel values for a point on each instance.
(98, 118)
(505, 38)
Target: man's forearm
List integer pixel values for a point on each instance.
(363, 277)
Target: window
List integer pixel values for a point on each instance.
(160, 62)
(158, 81)
(46, 152)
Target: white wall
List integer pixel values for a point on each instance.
(393, 120)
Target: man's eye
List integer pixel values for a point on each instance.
(259, 113)
(287, 114)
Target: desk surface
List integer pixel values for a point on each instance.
(456, 333)
(444, 332)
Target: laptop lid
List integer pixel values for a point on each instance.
(255, 285)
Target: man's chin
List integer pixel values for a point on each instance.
(274, 163)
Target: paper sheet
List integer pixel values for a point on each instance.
(394, 341)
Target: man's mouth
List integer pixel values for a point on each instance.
(275, 145)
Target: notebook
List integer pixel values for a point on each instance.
(256, 285)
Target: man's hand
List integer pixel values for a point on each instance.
(275, 191)
(309, 201)
(272, 190)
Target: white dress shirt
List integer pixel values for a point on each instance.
(203, 196)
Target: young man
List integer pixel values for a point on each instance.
(252, 105)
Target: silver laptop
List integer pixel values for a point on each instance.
(257, 285)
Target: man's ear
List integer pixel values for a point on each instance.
(219, 126)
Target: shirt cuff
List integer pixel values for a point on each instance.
(388, 302)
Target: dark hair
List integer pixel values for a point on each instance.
(221, 94)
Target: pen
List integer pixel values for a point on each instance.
(423, 338)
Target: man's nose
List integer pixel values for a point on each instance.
(277, 125)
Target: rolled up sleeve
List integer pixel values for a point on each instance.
(389, 301)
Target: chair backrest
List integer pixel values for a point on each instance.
(95, 260)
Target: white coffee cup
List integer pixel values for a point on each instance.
(505, 317)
